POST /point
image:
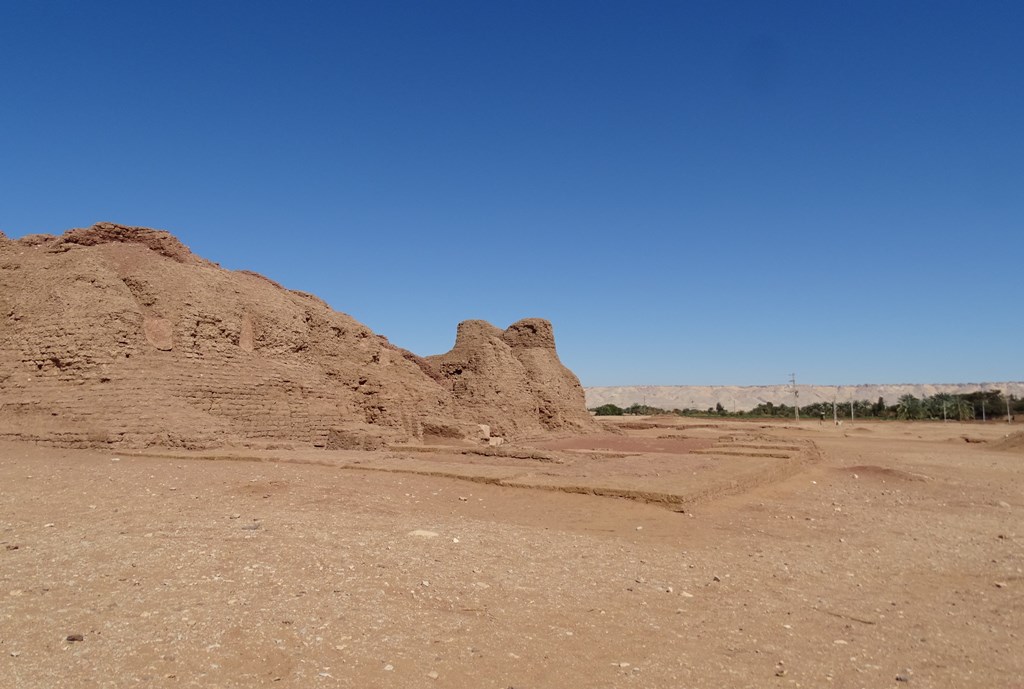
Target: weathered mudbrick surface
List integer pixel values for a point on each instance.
(512, 379)
(120, 335)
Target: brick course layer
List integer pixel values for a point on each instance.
(116, 335)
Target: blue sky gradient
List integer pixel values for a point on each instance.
(694, 193)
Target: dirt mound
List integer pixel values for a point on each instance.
(120, 335)
(1013, 442)
(512, 379)
(163, 243)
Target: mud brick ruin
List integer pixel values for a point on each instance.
(115, 335)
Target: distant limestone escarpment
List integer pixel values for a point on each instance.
(743, 398)
(120, 335)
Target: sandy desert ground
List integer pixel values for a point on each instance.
(683, 553)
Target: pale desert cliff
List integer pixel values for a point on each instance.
(741, 398)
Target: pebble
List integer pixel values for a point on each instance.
(433, 674)
(389, 667)
(251, 527)
(423, 533)
(74, 637)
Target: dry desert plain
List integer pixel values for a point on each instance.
(679, 553)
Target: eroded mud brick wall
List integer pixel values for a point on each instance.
(117, 334)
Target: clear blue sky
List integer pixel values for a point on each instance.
(693, 192)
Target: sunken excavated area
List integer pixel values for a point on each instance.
(120, 335)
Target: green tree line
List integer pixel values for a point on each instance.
(988, 404)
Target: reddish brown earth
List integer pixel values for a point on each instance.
(511, 379)
(208, 480)
(119, 336)
(760, 555)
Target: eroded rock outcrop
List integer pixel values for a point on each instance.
(512, 379)
(120, 335)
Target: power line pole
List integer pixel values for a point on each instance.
(796, 397)
(835, 414)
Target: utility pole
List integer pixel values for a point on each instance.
(835, 414)
(851, 407)
(796, 397)
(1007, 404)
(983, 410)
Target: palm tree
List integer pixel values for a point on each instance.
(964, 409)
(942, 405)
(908, 407)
